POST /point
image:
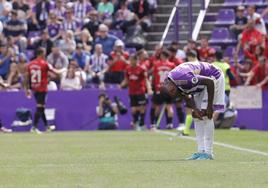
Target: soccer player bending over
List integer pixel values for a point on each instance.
(37, 80)
(137, 81)
(202, 86)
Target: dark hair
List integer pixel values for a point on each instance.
(219, 55)
(165, 53)
(102, 95)
(171, 49)
(191, 53)
(174, 42)
(40, 51)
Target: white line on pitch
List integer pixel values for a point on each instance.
(217, 143)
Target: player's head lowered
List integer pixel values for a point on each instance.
(170, 89)
(191, 55)
(41, 52)
(133, 60)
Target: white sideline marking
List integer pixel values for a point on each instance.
(217, 143)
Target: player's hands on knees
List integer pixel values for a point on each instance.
(209, 112)
(198, 114)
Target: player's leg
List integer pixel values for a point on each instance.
(134, 111)
(180, 112)
(40, 108)
(155, 111)
(188, 121)
(142, 111)
(170, 114)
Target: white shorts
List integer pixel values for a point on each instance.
(201, 98)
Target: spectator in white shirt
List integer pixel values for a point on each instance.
(71, 82)
(259, 22)
(98, 66)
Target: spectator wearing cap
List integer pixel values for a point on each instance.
(258, 20)
(203, 50)
(106, 40)
(240, 21)
(98, 66)
(172, 56)
(41, 12)
(5, 60)
(86, 39)
(54, 27)
(70, 23)
(92, 25)
(44, 42)
(16, 29)
(67, 44)
(142, 10)
(81, 8)
(118, 63)
(81, 57)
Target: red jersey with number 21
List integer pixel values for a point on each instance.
(38, 73)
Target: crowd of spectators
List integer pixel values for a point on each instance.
(84, 36)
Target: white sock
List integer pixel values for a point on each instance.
(200, 134)
(209, 136)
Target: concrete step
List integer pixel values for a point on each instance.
(181, 8)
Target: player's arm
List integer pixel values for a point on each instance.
(148, 84)
(263, 82)
(209, 83)
(56, 71)
(190, 103)
(249, 76)
(124, 83)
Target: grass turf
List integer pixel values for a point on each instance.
(128, 160)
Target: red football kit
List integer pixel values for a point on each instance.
(119, 66)
(38, 73)
(136, 76)
(160, 72)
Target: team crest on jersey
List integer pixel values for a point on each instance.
(194, 80)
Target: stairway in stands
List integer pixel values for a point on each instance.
(162, 15)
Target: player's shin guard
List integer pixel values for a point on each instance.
(200, 134)
(142, 117)
(209, 136)
(180, 115)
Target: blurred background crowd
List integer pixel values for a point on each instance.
(93, 39)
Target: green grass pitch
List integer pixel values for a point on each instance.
(128, 160)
